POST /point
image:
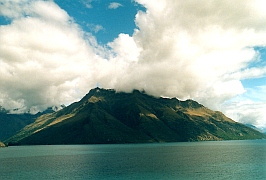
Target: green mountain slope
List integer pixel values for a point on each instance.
(104, 116)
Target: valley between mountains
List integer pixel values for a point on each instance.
(106, 116)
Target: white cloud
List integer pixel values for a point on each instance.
(87, 4)
(186, 48)
(13, 9)
(248, 108)
(48, 11)
(95, 27)
(44, 58)
(125, 47)
(114, 5)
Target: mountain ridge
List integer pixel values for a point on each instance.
(107, 116)
(11, 123)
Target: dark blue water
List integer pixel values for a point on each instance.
(190, 160)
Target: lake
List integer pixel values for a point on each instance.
(184, 160)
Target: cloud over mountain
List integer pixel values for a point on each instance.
(183, 49)
(193, 50)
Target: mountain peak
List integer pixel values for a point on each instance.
(191, 104)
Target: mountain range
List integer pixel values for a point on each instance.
(12, 123)
(107, 116)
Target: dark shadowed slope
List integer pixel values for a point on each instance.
(11, 123)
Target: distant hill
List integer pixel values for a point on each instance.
(254, 127)
(105, 116)
(10, 124)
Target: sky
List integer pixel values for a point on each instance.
(54, 52)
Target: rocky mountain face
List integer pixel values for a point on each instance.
(105, 116)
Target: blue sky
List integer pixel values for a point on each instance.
(112, 21)
(259, 81)
(90, 13)
(53, 52)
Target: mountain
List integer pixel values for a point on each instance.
(12, 123)
(258, 129)
(106, 116)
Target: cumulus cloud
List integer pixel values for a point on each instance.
(194, 50)
(248, 108)
(183, 49)
(248, 113)
(13, 9)
(114, 5)
(45, 58)
(190, 49)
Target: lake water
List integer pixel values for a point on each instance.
(189, 160)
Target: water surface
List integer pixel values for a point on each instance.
(189, 160)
